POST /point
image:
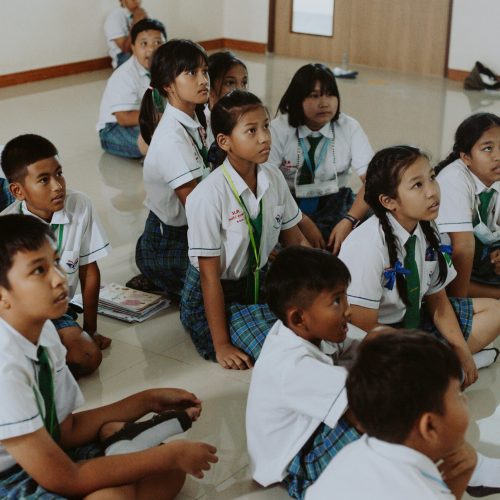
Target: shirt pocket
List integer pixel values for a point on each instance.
(70, 261)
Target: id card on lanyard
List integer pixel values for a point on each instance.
(59, 228)
(315, 189)
(252, 233)
(201, 154)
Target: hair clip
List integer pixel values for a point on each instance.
(390, 274)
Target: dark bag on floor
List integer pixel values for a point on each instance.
(475, 82)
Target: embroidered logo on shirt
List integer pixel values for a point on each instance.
(72, 264)
(278, 220)
(237, 216)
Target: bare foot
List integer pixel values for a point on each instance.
(193, 412)
(101, 341)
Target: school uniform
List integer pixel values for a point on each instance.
(21, 403)
(343, 144)
(371, 468)
(124, 91)
(174, 158)
(373, 278)
(460, 211)
(296, 401)
(79, 235)
(117, 25)
(217, 228)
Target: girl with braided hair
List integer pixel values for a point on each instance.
(398, 264)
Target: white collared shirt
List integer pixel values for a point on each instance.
(460, 190)
(124, 91)
(365, 253)
(370, 469)
(216, 222)
(351, 147)
(294, 388)
(84, 240)
(116, 25)
(172, 160)
(19, 411)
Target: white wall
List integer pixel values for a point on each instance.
(246, 20)
(475, 34)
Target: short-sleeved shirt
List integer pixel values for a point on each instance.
(370, 468)
(365, 253)
(460, 190)
(116, 25)
(19, 410)
(83, 238)
(350, 148)
(294, 388)
(173, 159)
(124, 91)
(216, 221)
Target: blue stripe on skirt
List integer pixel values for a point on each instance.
(16, 484)
(248, 324)
(316, 454)
(161, 254)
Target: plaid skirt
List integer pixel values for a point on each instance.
(248, 324)
(6, 197)
(464, 311)
(16, 484)
(120, 141)
(316, 454)
(161, 254)
(331, 209)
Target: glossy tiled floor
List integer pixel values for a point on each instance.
(392, 108)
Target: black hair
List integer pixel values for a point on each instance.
(146, 25)
(396, 378)
(219, 64)
(382, 178)
(299, 274)
(228, 110)
(467, 134)
(19, 233)
(301, 86)
(169, 61)
(22, 151)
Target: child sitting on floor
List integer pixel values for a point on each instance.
(36, 180)
(46, 451)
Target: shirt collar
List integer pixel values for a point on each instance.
(27, 347)
(401, 233)
(241, 186)
(59, 217)
(182, 117)
(326, 131)
(140, 68)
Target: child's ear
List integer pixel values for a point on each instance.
(224, 142)
(387, 202)
(428, 428)
(4, 303)
(17, 190)
(465, 158)
(295, 317)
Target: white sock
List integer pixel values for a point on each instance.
(149, 438)
(486, 473)
(485, 357)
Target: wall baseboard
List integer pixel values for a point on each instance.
(54, 71)
(458, 75)
(233, 43)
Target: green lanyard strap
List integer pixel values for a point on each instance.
(254, 231)
(55, 227)
(203, 150)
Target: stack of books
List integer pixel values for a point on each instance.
(126, 304)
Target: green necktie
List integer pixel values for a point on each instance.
(412, 315)
(253, 280)
(484, 203)
(309, 205)
(46, 387)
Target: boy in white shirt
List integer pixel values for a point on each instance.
(297, 417)
(32, 167)
(117, 29)
(118, 124)
(404, 389)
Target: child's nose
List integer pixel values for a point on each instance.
(58, 276)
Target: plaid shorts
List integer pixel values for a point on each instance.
(248, 324)
(6, 197)
(120, 141)
(65, 321)
(464, 311)
(161, 254)
(16, 484)
(331, 209)
(316, 454)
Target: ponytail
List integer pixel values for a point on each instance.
(454, 155)
(433, 239)
(150, 113)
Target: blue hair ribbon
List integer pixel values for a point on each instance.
(390, 274)
(446, 249)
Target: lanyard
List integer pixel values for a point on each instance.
(251, 231)
(203, 151)
(326, 142)
(55, 227)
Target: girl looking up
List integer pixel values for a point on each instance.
(470, 206)
(314, 145)
(235, 219)
(397, 263)
(176, 159)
